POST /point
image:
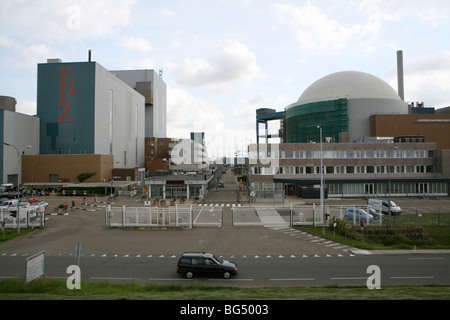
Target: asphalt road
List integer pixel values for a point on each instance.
(265, 256)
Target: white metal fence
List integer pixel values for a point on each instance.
(304, 215)
(151, 216)
(184, 216)
(31, 217)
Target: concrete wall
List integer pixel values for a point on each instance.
(66, 168)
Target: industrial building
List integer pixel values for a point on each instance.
(85, 109)
(369, 141)
(19, 135)
(151, 85)
(89, 120)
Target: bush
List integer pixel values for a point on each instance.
(387, 235)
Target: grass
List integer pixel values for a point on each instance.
(54, 289)
(12, 233)
(429, 231)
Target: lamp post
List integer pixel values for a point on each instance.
(321, 182)
(389, 171)
(19, 157)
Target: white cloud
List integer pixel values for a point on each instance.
(139, 44)
(231, 61)
(186, 113)
(26, 56)
(64, 20)
(26, 106)
(393, 10)
(426, 79)
(315, 31)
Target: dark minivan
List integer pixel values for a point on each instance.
(206, 264)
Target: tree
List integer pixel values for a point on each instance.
(85, 175)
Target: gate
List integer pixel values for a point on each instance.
(174, 216)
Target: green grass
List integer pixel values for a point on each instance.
(52, 289)
(12, 233)
(425, 235)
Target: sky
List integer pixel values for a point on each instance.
(222, 60)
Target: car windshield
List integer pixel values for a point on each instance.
(392, 204)
(3, 204)
(219, 261)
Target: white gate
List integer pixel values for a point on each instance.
(174, 216)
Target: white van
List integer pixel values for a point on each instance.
(7, 205)
(384, 204)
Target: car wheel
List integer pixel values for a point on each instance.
(226, 275)
(189, 275)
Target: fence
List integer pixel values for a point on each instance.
(173, 216)
(31, 217)
(303, 215)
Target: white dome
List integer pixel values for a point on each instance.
(347, 84)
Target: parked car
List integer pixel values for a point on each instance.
(360, 214)
(192, 264)
(9, 205)
(32, 200)
(40, 204)
(220, 184)
(385, 206)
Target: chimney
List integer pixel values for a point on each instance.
(401, 89)
(89, 55)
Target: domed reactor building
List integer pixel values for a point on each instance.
(342, 104)
(373, 144)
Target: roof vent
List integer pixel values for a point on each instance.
(54, 60)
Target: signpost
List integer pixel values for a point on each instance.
(35, 266)
(78, 249)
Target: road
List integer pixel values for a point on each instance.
(265, 256)
(253, 270)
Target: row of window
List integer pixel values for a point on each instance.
(341, 154)
(344, 169)
(360, 189)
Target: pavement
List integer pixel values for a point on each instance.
(86, 223)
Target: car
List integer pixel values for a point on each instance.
(220, 184)
(191, 264)
(385, 205)
(40, 204)
(32, 200)
(360, 214)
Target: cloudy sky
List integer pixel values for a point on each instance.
(222, 60)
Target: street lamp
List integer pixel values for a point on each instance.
(321, 182)
(19, 157)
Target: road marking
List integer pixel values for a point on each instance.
(350, 278)
(218, 279)
(426, 258)
(168, 279)
(107, 278)
(424, 277)
(294, 279)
